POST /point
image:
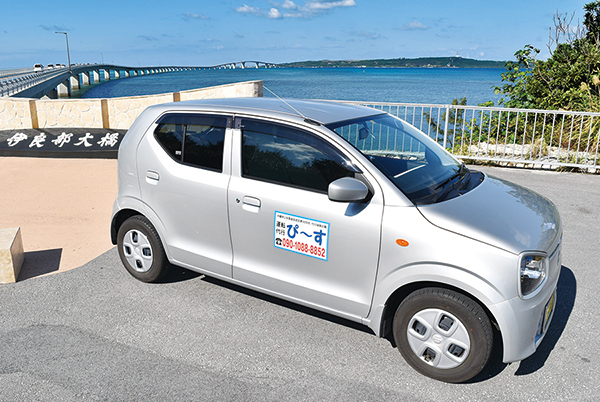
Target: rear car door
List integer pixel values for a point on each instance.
(184, 173)
(287, 236)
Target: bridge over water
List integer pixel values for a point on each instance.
(59, 82)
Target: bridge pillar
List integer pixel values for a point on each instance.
(63, 89)
(74, 81)
(52, 94)
(96, 76)
(106, 75)
(85, 78)
(117, 74)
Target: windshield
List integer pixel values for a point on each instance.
(417, 165)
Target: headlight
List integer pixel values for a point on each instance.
(533, 272)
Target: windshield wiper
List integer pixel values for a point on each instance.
(462, 173)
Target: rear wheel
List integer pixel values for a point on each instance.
(141, 250)
(443, 334)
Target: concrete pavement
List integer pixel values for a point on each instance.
(95, 333)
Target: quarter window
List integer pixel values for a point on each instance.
(196, 140)
(288, 156)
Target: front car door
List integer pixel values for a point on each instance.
(288, 237)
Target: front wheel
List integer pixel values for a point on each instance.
(141, 250)
(443, 334)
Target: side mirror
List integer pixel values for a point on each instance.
(347, 189)
(363, 133)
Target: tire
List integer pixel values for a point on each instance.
(443, 334)
(141, 250)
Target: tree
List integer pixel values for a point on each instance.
(591, 20)
(568, 80)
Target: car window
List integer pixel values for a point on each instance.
(288, 156)
(170, 136)
(204, 146)
(418, 166)
(193, 139)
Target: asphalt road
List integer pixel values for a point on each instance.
(95, 334)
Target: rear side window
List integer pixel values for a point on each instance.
(195, 140)
(288, 156)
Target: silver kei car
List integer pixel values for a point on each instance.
(347, 210)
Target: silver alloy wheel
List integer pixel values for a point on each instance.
(138, 250)
(438, 338)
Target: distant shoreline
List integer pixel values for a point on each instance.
(384, 67)
(421, 62)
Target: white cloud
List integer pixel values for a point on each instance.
(246, 9)
(310, 9)
(274, 14)
(413, 26)
(328, 5)
(367, 35)
(289, 5)
(192, 16)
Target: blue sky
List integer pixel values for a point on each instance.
(202, 33)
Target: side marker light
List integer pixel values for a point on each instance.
(402, 242)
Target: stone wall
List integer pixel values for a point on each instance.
(68, 113)
(114, 113)
(123, 111)
(15, 113)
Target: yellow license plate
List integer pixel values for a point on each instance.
(548, 311)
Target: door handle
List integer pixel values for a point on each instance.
(250, 204)
(152, 177)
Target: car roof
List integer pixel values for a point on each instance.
(325, 112)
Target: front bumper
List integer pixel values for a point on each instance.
(524, 322)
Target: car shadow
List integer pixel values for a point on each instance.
(286, 304)
(178, 274)
(566, 292)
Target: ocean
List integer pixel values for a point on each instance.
(406, 85)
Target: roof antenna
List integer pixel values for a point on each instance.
(306, 119)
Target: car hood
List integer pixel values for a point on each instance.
(500, 213)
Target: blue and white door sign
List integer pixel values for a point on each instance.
(301, 235)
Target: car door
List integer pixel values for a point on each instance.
(184, 174)
(287, 236)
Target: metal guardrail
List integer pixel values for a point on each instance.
(551, 138)
(4, 74)
(12, 86)
(15, 81)
(541, 138)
